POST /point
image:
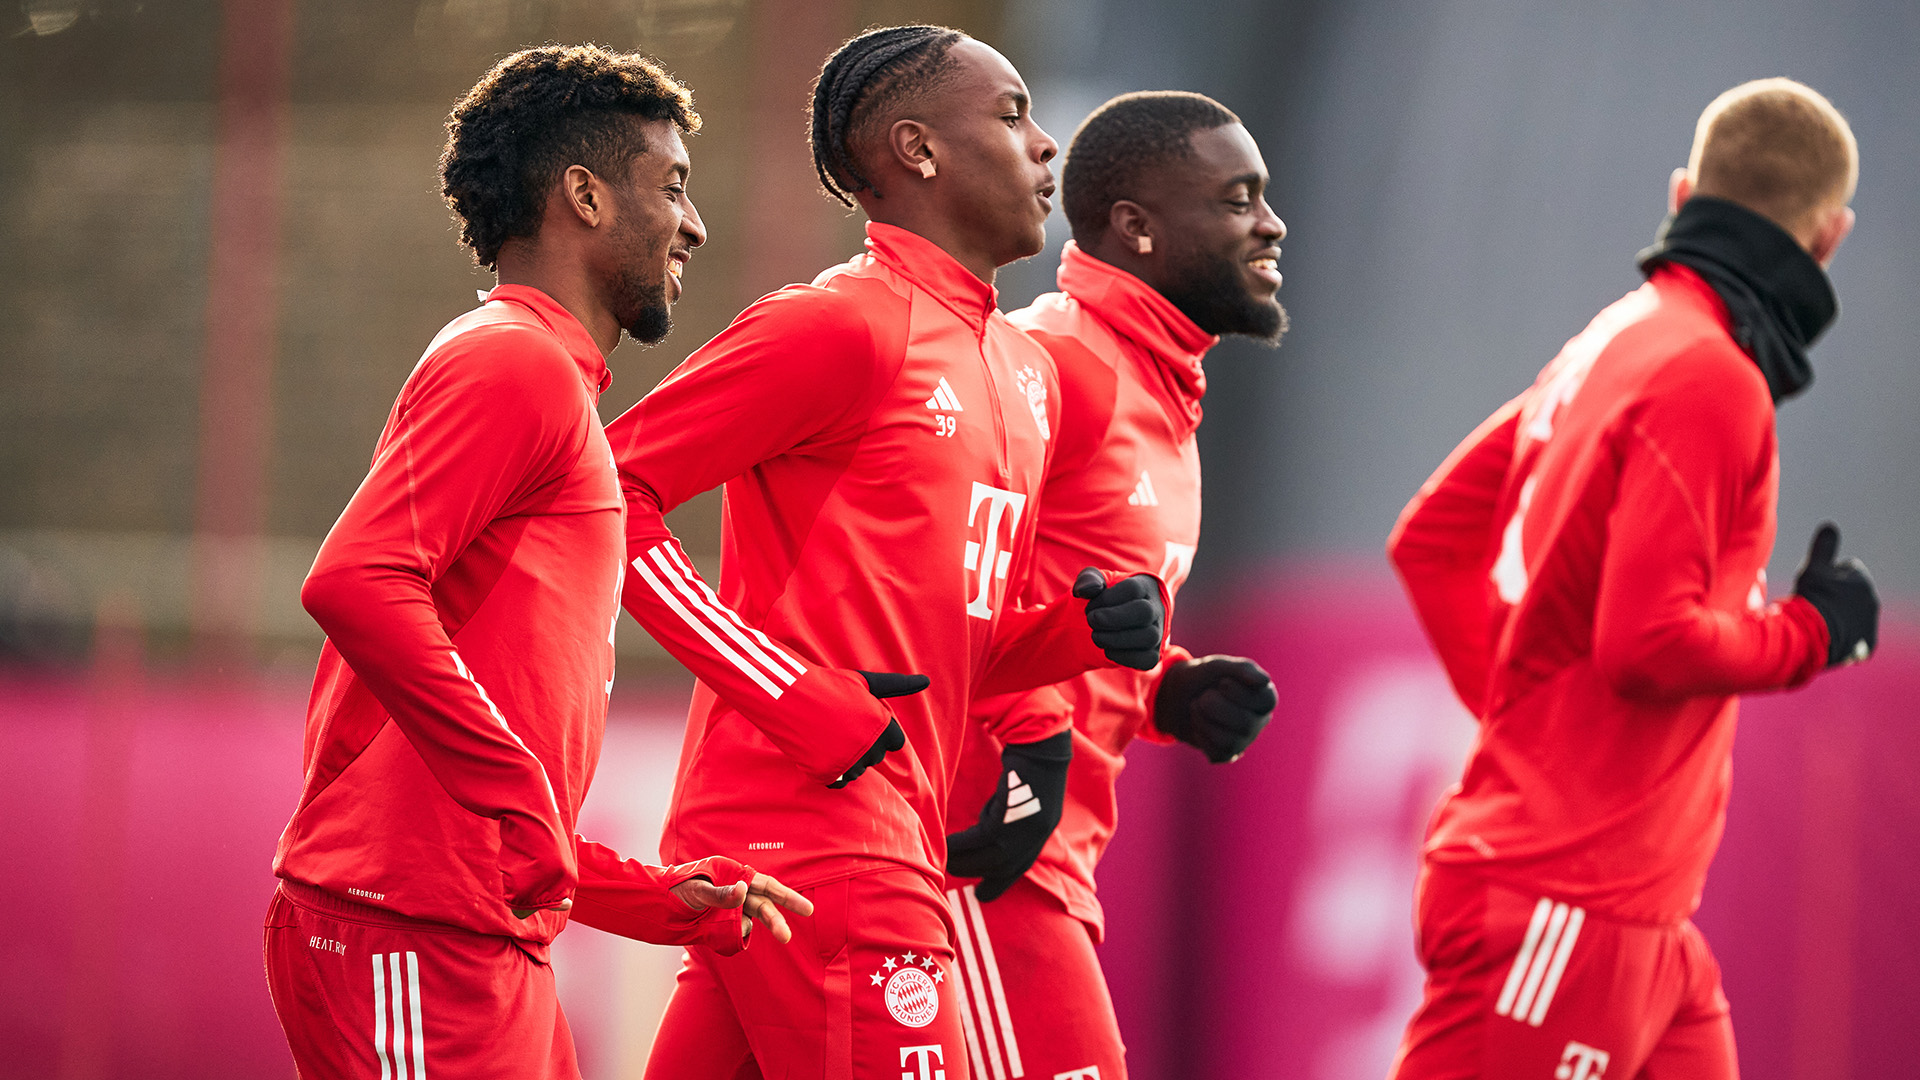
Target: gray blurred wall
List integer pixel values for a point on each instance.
(1465, 185)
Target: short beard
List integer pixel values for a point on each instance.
(1212, 293)
(644, 312)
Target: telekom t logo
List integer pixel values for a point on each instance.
(989, 557)
(920, 1054)
(1582, 1062)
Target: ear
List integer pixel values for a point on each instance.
(1128, 221)
(908, 145)
(582, 194)
(1679, 190)
(1834, 226)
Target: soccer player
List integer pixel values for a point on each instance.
(882, 435)
(1590, 565)
(1174, 245)
(469, 592)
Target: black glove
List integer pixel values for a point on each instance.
(1217, 703)
(1015, 823)
(883, 684)
(1128, 617)
(1843, 595)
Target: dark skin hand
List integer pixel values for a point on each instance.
(1214, 202)
(987, 202)
(602, 242)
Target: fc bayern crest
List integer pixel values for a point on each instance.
(1034, 388)
(912, 990)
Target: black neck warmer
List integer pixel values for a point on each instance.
(1779, 298)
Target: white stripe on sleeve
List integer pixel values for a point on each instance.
(719, 615)
(700, 627)
(680, 560)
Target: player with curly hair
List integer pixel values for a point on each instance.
(468, 593)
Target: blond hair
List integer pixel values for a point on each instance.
(1778, 148)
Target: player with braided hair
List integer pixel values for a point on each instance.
(882, 435)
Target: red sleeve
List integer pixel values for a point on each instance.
(632, 899)
(1686, 471)
(1148, 730)
(1025, 717)
(1443, 547)
(1039, 646)
(795, 371)
(484, 422)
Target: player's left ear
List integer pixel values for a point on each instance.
(582, 193)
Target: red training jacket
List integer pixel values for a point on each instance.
(882, 434)
(1590, 565)
(468, 593)
(1123, 491)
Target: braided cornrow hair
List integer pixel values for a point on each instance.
(877, 68)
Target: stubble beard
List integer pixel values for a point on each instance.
(1212, 293)
(643, 311)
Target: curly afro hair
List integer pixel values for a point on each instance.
(535, 114)
(1121, 142)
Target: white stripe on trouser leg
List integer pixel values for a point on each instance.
(780, 655)
(982, 1015)
(1542, 957)
(700, 627)
(993, 980)
(380, 1015)
(979, 1064)
(718, 615)
(1567, 938)
(397, 995)
(419, 1033)
(1525, 957)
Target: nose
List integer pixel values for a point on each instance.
(1270, 224)
(691, 226)
(1044, 147)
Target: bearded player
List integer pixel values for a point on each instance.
(882, 435)
(468, 593)
(1174, 245)
(1590, 567)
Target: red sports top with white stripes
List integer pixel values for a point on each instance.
(1590, 565)
(468, 593)
(1123, 491)
(882, 434)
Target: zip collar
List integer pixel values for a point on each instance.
(561, 323)
(1137, 312)
(928, 265)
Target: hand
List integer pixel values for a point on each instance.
(760, 900)
(527, 912)
(1015, 823)
(1128, 618)
(1217, 703)
(1843, 595)
(883, 684)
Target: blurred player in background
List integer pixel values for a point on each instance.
(1174, 245)
(1590, 567)
(468, 593)
(882, 435)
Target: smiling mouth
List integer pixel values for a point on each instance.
(1266, 267)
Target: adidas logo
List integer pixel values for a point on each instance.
(1143, 494)
(944, 399)
(1021, 801)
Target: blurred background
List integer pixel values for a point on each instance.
(221, 250)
